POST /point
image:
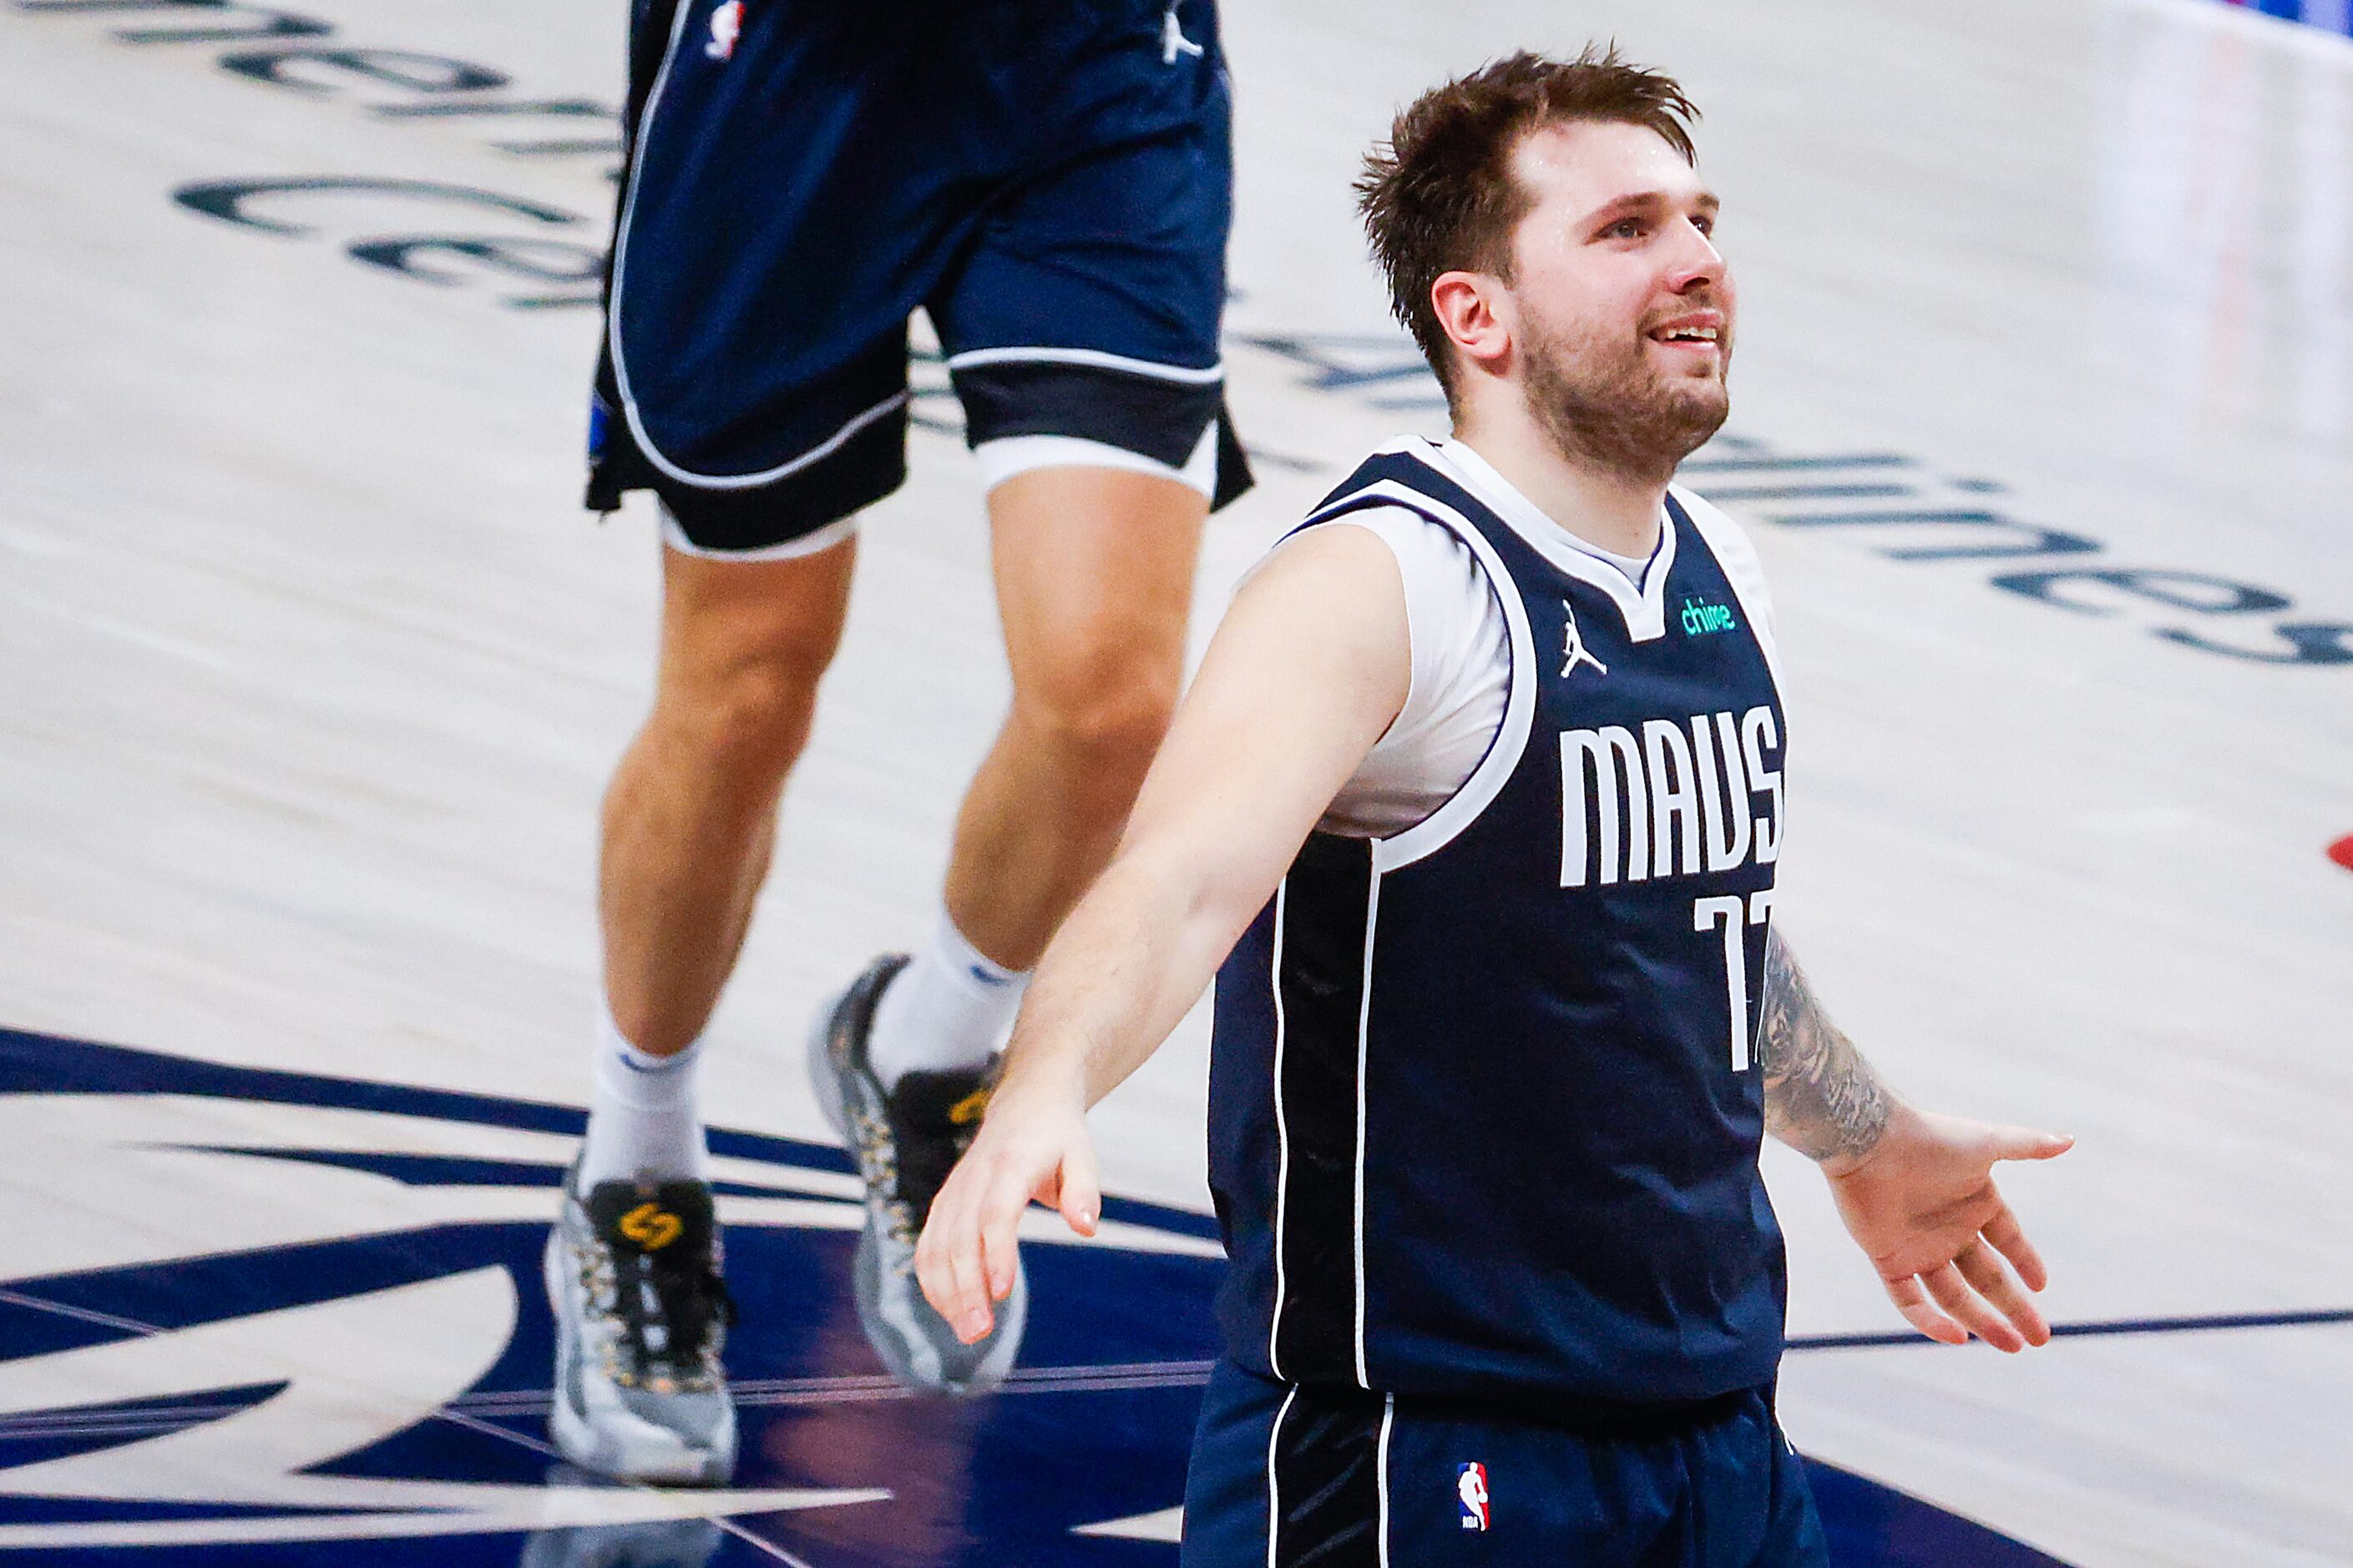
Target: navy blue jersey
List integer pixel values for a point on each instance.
(1484, 1104)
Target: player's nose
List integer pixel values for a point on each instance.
(1694, 261)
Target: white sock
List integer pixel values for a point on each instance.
(948, 1008)
(644, 1121)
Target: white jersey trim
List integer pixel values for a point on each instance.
(1486, 781)
(1364, 1037)
(1643, 608)
(1736, 556)
(1281, 1146)
(1730, 544)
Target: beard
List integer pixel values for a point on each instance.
(1603, 404)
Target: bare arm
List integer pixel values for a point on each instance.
(1916, 1189)
(1309, 666)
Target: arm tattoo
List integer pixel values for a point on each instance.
(1822, 1098)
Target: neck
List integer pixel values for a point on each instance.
(1602, 507)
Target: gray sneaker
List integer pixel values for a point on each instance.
(906, 1140)
(641, 1313)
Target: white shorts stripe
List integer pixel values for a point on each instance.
(1096, 358)
(1273, 1492)
(826, 538)
(1002, 459)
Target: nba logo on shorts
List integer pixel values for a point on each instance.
(1470, 1487)
(726, 23)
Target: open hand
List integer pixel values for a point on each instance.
(1922, 1206)
(1033, 1144)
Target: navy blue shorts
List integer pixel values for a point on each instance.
(1052, 182)
(1352, 1480)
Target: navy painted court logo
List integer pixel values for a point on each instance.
(297, 1318)
(281, 1318)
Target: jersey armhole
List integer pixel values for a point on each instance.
(1737, 555)
(1351, 517)
(1462, 808)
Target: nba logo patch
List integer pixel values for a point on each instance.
(726, 26)
(1471, 1489)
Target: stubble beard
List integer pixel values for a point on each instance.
(1603, 406)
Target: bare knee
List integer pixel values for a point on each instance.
(744, 648)
(746, 718)
(1102, 705)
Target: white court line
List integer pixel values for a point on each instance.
(455, 1417)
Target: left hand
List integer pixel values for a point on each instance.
(1922, 1206)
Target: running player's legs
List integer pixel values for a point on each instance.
(690, 817)
(1080, 327)
(781, 214)
(1094, 578)
(1082, 336)
(768, 184)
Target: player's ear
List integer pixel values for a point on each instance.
(1473, 314)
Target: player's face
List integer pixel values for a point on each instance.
(1625, 307)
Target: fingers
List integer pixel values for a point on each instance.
(1952, 1292)
(1981, 1267)
(968, 1256)
(948, 1257)
(1912, 1299)
(1000, 1225)
(1081, 1198)
(2003, 1233)
(2023, 1144)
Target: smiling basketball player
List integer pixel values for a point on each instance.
(1478, 798)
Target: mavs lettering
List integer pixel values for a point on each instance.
(1673, 801)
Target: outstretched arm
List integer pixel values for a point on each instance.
(1914, 1188)
(1309, 666)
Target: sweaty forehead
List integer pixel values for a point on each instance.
(1582, 165)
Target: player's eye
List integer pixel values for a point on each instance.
(1705, 224)
(1624, 229)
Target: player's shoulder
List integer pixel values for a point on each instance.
(1733, 551)
(1398, 468)
(1725, 537)
(1418, 544)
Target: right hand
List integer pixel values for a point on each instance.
(1032, 1144)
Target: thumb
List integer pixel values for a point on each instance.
(2023, 1144)
(1081, 1198)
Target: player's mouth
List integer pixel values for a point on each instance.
(1697, 333)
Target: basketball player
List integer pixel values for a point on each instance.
(1479, 798)
(1050, 183)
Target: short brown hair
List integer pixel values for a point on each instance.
(1439, 195)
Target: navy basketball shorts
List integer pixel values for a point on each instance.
(1341, 1478)
(1052, 184)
